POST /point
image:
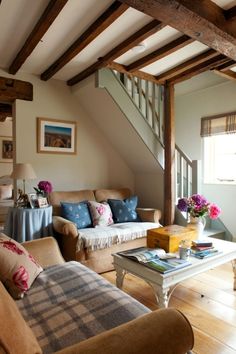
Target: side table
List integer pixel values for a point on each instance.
(25, 224)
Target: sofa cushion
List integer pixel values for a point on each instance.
(124, 210)
(77, 213)
(15, 335)
(106, 236)
(56, 197)
(101, 213)
(102, 195)
(18, 269)
(70, 303)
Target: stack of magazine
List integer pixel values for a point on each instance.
(156, 259)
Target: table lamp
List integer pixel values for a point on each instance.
(23, 171)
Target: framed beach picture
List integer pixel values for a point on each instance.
(56, 136)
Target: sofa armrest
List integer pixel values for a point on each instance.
(67, 236)
(45, 251)
(162, 331)
(64, 226)
(149, 215)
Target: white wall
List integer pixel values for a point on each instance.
(189, 109)
(96, 164)
(5, 134)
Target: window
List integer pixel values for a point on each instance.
(220, 159)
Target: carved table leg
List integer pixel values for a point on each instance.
(162, 296)
(234, 270)
(120, 273)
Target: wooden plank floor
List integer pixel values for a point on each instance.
(208, 301)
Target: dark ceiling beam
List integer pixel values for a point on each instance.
(93, 31)
(127, 44)
(11, 89)
(201, 20)
(160, 53)
(208, 65)
(224, 67)
(5, 111)
(229, 74)
(191, 63)
(201, 58)
(230, 14)
(51, 12)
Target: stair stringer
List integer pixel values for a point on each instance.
(107, 80)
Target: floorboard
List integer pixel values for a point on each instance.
(209, 302)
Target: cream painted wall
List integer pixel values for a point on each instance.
(96, 164)
(5, 133)
(189, 109)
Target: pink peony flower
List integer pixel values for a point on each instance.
(214, 211)
(20, 278)
(45, 186)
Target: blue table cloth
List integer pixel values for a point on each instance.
(25, 224)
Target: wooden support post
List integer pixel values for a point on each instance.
(169, 143)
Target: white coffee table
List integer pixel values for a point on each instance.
(164, 284)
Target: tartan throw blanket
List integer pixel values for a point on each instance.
(69, 303)
(101, 237)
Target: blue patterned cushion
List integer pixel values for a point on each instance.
(77, 213)
(124, 210)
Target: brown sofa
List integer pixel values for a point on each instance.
(71, 239)
(50, 320)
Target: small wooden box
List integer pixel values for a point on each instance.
(169, 237)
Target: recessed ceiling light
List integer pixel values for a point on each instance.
(139, 48)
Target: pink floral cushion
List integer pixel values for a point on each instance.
(18, 269)
(101, 213)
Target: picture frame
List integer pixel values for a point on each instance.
(42, 202)
(56, 136)
(33, 200)
(6, 149)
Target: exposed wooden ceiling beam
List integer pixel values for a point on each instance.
(208, 65)
(127, 44)
(230, 14)
(11, 89)
(229, 74)
(51, 12)
(97, 27)
(5, 111)
(202, 20)
(201, 58)
(224, 67)
(160, 53)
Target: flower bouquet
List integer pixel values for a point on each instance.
(198, 206)
(44, 188)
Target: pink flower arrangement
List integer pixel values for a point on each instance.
(44, 187)
(197, 206)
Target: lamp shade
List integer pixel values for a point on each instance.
(23, 171)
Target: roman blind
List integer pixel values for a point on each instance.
(220, 124)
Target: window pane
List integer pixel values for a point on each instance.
(220, 159)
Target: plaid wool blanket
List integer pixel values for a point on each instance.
(69, 303)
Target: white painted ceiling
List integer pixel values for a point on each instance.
(18, 17)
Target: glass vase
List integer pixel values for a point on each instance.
(199, 224)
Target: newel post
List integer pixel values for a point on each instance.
(169, 143)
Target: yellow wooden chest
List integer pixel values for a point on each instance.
(169, 237)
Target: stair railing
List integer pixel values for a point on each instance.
(148, 97)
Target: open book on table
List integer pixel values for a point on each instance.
(156, 258)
